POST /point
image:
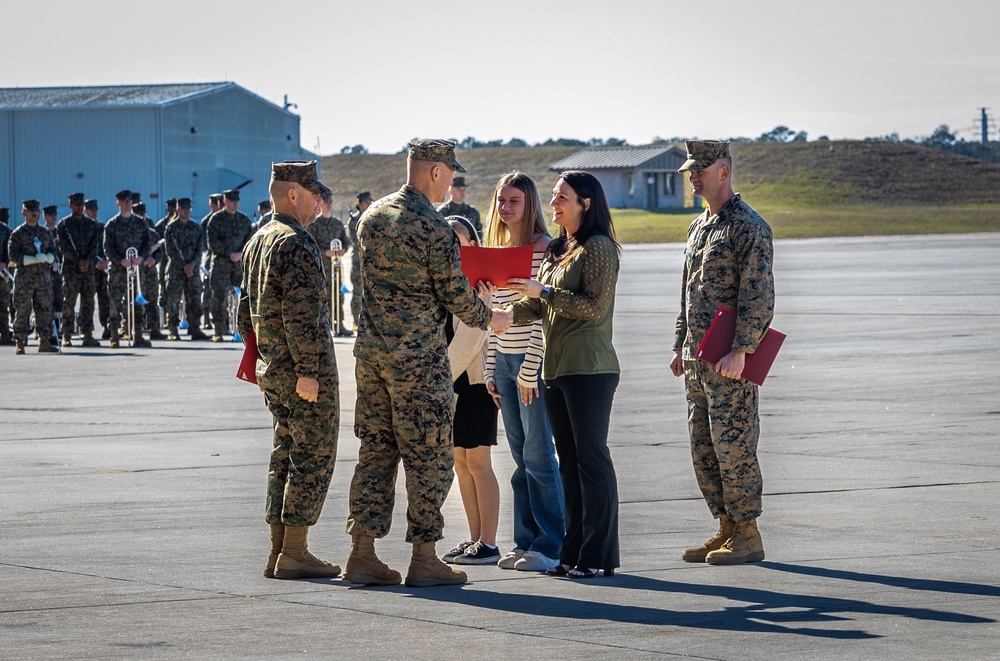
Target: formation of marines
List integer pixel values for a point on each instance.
(185, 273)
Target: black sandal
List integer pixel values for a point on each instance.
(558, 570)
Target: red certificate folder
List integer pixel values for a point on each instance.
(496, 264)
(719, 341)
(248, 364)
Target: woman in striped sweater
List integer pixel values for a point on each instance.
(513, 363)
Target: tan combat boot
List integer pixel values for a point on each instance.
(363, 566)
(744, 546)
(295, 560)
(44, 346)
(277, 540)
(18, 348)
(113, 340)
(426, 569)
(698, 553)
(172, 334)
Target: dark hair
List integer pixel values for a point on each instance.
(596, 218)
(470, 230)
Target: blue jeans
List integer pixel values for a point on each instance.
(539, 522)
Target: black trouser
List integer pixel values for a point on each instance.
(579, 410)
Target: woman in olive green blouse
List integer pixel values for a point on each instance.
(574, 296)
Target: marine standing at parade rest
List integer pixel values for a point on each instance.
(79, 237)
(161, 231)
(51, 217)
(184, 239)
(32, 248)
(125, 230)
(216, 201)
(6, 339)
(286, 306)
(364, 201)
(149, 273)
(727, 263)
(412, 277)
(327, 228)
(228, 231)
(90, 210)
(456, 205)
(263, 214)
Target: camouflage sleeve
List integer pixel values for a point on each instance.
(756, 296)
(110, 249)
(145, 246)
(15, 250)
(681, 325)
(65, 244)
(600, 276)
(243, 323)
(172, 245)
(451, 287)
(213, 241)
(304, 290)
(49, 242)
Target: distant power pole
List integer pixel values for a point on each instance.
(986, 126)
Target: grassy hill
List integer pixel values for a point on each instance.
(841, 188)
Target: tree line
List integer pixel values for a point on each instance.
(942, 138)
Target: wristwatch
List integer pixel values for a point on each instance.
(546, 292)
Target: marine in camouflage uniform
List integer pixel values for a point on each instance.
(216, 201)
(364, 201)
(32, 248)
(456, 208)
(6, 339)
(161, 231)
(728, 263)
(150, 275)
(51, 216)
(90, 210)
(286, 306)
(411, 277)
(184, 241)
(227, 233)
(125, 230)
(78, 240)
(327, 228)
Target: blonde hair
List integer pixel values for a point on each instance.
(497, 233)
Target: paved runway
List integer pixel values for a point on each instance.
(132, 485)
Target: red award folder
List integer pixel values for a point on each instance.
(718, 342)
(248, 364)
(496, 264)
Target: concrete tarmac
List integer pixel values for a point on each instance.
(132, 485)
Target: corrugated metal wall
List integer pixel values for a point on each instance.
(236, 137)
(57, 152)
(48, 154)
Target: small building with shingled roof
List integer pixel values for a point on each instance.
(643, 177)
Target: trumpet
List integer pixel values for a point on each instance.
(233, 307)
(336, 276)
(133, 292)
(6, 274)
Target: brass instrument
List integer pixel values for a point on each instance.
(133, 292)
(336, 278)
(6, 274)
(233, 308)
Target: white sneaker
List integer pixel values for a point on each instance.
(509, 560)
(535, 561)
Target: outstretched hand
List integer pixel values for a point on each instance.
(501, 320)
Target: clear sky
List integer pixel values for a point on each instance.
(379, 72)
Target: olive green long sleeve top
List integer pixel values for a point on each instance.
(578, 314)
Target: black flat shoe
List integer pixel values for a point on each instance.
(586, 572)
(558, 570)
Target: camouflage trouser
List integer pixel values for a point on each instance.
(304, 454)
(724, 429)
(225, 274)
(151, 292)
(103, 300)
(4, 306)
(117, 288)
(33, 290)
(57, 295)
(340, 303)
(179, 285)
(79, 284)
(356, 289)
(404, 411)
